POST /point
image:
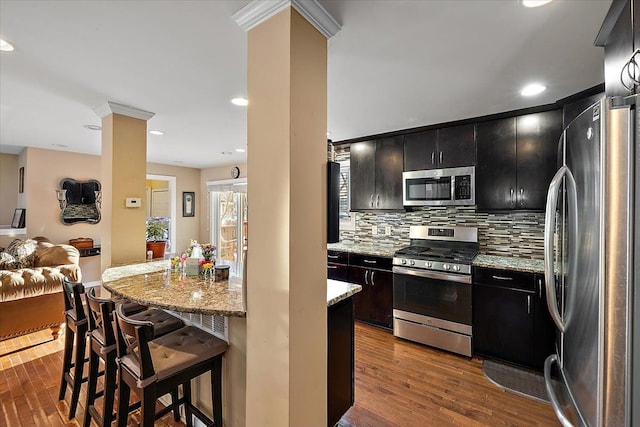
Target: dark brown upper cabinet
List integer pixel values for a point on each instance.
(450, 147)
(376, 174)
(516, 160)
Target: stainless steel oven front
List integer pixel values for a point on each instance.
(439, 187)
(433, 308)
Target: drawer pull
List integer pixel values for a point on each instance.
(368, 261)
(502, 278)
(332, 266)
(333, 256)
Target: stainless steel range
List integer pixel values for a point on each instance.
(432, 287)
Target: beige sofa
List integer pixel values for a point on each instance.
(31, 285)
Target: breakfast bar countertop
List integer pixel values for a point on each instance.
(156, 284)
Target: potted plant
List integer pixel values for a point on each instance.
(157, 235)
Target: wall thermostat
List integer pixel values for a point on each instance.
(133, 202)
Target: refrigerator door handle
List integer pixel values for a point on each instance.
(548, 363)
(549, 226)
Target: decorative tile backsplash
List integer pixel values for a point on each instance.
(513, 234)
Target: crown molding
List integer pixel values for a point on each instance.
(125, 110)
(259, 11)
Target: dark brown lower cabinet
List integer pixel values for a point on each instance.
(340, 363)
(374, 304)
(510, 317)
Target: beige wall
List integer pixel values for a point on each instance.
(187, 179)
(8, 187)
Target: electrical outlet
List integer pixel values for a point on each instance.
(374, 230)
(387, 231)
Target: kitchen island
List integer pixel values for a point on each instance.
(156, 284)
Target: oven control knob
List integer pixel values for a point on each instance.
(413, 262)
(404, 261)
(456, 268)
(429, 264)
(447, 267)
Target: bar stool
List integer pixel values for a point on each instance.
(76, 328)
(103, 346)
(154, 367)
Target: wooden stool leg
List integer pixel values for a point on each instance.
(148, 405)
(216, 390)
(94, 362)
(186, 390)
(124, 392)
(110, 372)
(77, 373)
(176, 409)
(66, 360)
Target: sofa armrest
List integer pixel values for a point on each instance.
(72, 271)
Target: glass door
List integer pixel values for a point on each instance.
(229, 227)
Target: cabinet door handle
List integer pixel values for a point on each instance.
(433, 157)
(502, 278)
(521, 197)
(333, 256)
(512, 194)
(540, 288)
(377, 200)
(373, 283)
(332, 266)
(371, 200)
(370, 261)
(441, 157)
(366, 277)
(528, 304)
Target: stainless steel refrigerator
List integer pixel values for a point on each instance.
(591, 252)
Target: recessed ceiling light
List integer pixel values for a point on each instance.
(92, 127)
(156, 132)
(226, 153)
(240, 101)
(60, 145)
(532, 89)
(240, 150)
(5, 46)
(534, 3)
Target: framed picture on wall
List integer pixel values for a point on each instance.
(21, 180)
(188, 203)
(18, 218)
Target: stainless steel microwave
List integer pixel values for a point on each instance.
(439, 187)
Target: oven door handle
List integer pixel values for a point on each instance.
(433, 275)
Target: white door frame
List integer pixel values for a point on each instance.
(172, 204)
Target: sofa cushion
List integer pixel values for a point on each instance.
(24, 252)
(8, 262)
(48, 254)
(30, 282)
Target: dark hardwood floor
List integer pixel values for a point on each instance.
(398, 383)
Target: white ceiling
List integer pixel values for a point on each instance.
(394, 65)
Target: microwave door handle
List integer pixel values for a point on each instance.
(453, 188)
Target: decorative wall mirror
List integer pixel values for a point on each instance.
(79, 201)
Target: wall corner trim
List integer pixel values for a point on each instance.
(259, 11)
(110, 107)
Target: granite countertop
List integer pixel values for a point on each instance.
(156, 284)
(365, 249)
(509, 263)
(338, 291)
